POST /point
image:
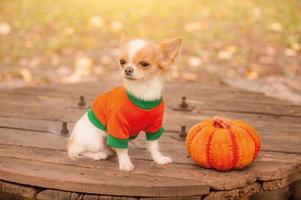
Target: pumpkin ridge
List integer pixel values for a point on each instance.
(257, 146)
(208, 148)
(192, 138)
(235, 148)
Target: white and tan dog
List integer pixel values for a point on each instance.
(111, 123)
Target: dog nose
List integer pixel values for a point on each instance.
(128, 70)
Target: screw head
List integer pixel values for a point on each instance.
(184, 104)
(64, 129)
(81, 102)
(183, 132)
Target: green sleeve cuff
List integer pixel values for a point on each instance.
(93, 119)
(117, 143)
(155, 135)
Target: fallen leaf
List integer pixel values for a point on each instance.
(195, 61)
(193, 26)
(26, 75)
(5, 28)
(251, 74)
(296, 46)
(34, 63)
(189, 76)
(96, 21)
(28, 44)
(256, 12)
(224, 55)
(227, 53)
(290, 52)
(83, 66)
(64, 70)
(116, 25)
(105, 59)
(270, 51)
(275, 26)
(98, 70)
(68, 31)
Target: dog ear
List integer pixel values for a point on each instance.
(169, 50)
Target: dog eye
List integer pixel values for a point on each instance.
(144, 64)
(122, 61)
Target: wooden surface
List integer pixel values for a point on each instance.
(33, 151)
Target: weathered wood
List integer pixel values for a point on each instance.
(56, 194)
(295, 190)
(281, 183)
(281, 194)
(26, 157)
(19, 189)
(173, 198)
(83, 179)
(90, 197)
(186, 172)
(8, 196)
(236, 194)
(269, 166)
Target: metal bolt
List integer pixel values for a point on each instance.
(64, 129)
(81, 102)
(183, 133)
(183, 104)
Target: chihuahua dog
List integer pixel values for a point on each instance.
(120, 114)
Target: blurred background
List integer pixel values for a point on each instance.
(251, 44)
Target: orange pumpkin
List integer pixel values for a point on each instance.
(222, 144)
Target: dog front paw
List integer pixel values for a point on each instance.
(162, 160)
(126, 166)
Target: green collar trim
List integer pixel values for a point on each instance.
(146, 105)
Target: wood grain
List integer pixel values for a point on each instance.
(33, 152)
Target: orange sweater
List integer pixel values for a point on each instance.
(123, 116)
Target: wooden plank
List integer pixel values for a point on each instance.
(33, 139)
(79, 179)
(49, 105)
(281, 183)
(221, 92)
(173, 198)
(171, 124)
(274, 143)
(53, 112)
(22, 190)
(177, 151)
(296, 190)
(54, 195)
(143, 167)
(68, 92)
(267, 167)
(219, 106)
(241, 107)
(208, 103)
(172, 121)
(50, 194)
(57, 112)
(280, 194)
(240, 193)
(47, 126)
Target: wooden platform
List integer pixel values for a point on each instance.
(33, 161)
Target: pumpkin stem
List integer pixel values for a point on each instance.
(221, 122)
